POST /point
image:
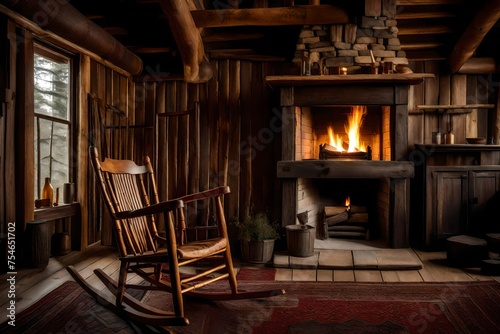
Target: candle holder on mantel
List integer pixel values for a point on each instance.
(303, 219)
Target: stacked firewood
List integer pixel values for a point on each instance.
(346, 222)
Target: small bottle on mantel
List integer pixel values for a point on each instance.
(450, 137)
(48, 191)
(306, 64)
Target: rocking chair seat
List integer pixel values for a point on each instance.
(204, 248)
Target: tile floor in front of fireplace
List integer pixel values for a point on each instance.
(340, 260)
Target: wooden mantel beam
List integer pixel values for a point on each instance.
(483, 21)
(197, 69)
(277, 16)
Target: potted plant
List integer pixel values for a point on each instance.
(257, 234)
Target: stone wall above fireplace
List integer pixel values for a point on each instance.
(370, 40)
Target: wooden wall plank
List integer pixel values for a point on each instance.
(444, 99)
(415, 120)
(458, 96)
(84, 179)
(224, 125)
(24, 124)
(213, 120)
(172, 134)
(471, 120)
(182, 139)
(245, 145)
(431, 97)
(194, 150)
(234, 166)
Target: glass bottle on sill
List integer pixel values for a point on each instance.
(48, 191)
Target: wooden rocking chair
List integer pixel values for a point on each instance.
(125, 187)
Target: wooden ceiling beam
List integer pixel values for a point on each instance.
(421, 46)
(224, 37)
(474, 34)
(67, 22)
(424, 30)
(276, 16)
(423, 15)
(187, 36)
(480, 66)
(427, 2)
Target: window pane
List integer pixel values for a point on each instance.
(51, 87)
(53, 160)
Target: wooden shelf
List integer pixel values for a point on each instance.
(452, 108)
(459, 148)
(350, 79)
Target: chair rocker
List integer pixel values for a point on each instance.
(125, 189)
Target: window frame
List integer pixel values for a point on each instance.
(58, 54)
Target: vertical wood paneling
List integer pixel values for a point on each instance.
(458, 96)
(172, 134)
(147, 120)
(85, 186)
(415, 121)
(7, 128)
(234, 167)
(204, 150)
(194, 150)
(471, 120)
(223, 104)
(161, 141)
(246, 132)
(204, 138)
(431, 97)
(182, 139)
(444, 99)
(213, 121)
(24, 149)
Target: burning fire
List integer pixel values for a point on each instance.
(352, 128)
(348, 203)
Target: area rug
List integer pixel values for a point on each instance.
(307, 307)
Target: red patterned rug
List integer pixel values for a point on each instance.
(307, 307)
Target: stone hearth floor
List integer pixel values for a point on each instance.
(339, 259)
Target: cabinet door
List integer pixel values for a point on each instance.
(450, 198)
(484, 202)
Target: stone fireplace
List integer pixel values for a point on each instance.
(381, 185)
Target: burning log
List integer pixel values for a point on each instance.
(327, 151)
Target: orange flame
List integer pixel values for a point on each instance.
(335, 140)
(352, 128)
(348, 203)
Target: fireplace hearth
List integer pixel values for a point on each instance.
(308, 162)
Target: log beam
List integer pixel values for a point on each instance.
(479, 65)
(481, 24)
(197, 69)
(278, 16)
(65, 21)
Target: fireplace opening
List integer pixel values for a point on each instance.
(340, 133)
(365, 216)
(344, 132)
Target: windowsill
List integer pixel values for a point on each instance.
(57, 212)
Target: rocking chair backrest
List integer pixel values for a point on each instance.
(124, 186)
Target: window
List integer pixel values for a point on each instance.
(53, 118)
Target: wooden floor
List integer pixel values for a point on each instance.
(33, 284)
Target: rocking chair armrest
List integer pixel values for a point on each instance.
(205, 194)
(151, 210)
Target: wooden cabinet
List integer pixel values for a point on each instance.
(453, 193)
